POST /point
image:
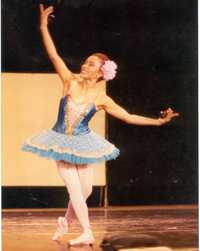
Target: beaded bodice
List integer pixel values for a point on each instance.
(73, 118)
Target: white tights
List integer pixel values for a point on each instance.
(78, 180)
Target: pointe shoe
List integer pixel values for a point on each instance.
(62, 228)
(85, 238)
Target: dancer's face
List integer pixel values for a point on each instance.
(90, 69)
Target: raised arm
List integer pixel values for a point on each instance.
(64, 73)
(111, 107)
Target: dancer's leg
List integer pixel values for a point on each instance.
(70, 214)
(85, 173)
(68, 172)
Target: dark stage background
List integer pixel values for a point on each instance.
(155, 46)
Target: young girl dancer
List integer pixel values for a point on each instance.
(70, 142)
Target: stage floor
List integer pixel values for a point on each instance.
(32, 229)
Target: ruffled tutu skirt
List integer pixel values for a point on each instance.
(78, 149)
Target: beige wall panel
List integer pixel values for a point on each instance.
(29, 105)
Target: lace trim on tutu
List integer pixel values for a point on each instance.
(70, 157)
(58, 149)
(52, 145)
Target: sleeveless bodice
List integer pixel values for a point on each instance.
(70, 140)
(72, 118)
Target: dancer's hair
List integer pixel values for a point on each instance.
(108, 67)
(103, 57)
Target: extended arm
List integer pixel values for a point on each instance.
(64, 73)
(111, 107)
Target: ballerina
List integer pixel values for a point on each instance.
(70, 142)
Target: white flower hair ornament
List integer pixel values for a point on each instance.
(109, 70)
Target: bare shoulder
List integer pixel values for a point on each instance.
(76, 77)
(74, 80)
(73, 77)
(104, 100)
(70, 83)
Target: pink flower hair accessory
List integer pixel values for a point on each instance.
(109, 69)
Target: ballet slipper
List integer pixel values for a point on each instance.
(85, 238)
(62, 228)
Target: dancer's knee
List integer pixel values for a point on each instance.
(86, 179)
(87, 191)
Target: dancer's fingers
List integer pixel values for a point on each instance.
(175, 114)
(41, 7)
(48, 12)
(169, 110)
(50, 8)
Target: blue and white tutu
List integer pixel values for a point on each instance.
(76, 143)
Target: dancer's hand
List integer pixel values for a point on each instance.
(44, 14)
(167, 115)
